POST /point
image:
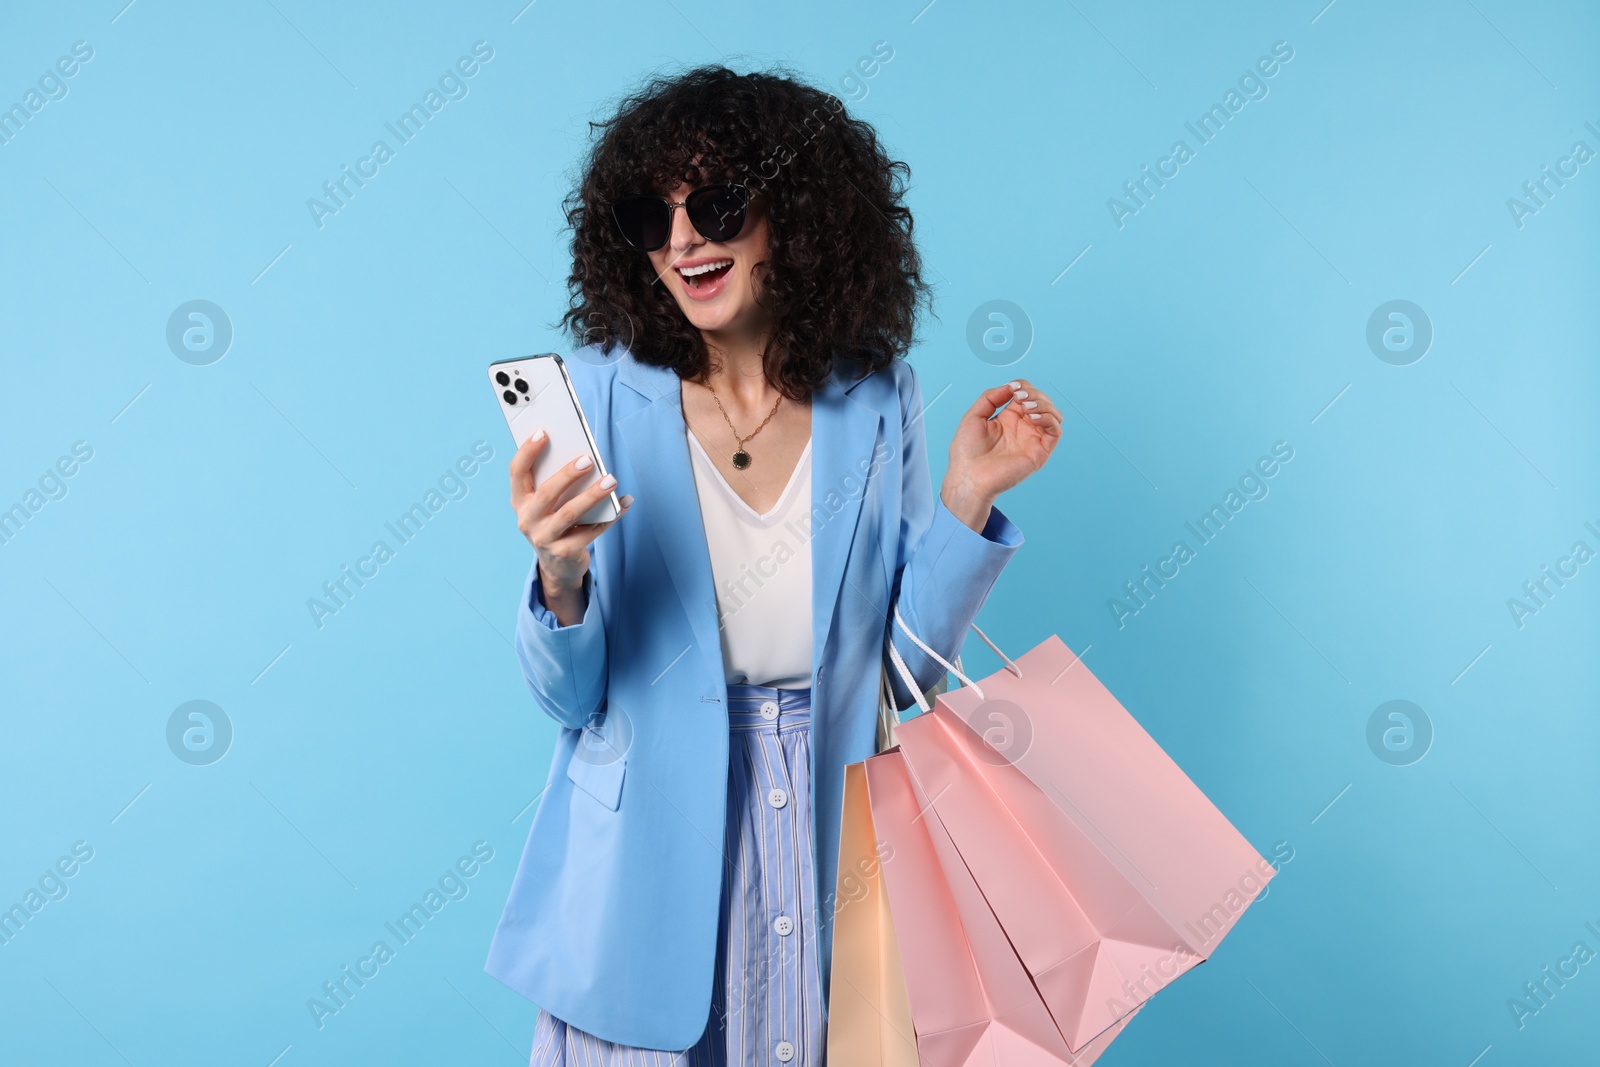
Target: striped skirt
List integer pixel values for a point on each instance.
(766, 1003)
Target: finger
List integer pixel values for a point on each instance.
(990, 401)
(522, 467)
(557, 482)
(581, 535)
(568, 514)
(1030, 400)
(1048, 423)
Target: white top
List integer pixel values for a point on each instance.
(761, 566)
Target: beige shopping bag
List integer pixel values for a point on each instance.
(869, 1016)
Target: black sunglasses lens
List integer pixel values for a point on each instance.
(717, 211)
(643, 221)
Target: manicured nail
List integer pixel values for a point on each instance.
(607, 482)
(1014, 385)
(1034, 415)
(1030, 404)
(1022, 394)
(627, 501)
(538, 436)
(584, 463)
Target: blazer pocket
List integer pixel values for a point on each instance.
(598, 773)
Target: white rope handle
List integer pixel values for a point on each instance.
(905, 672)
(887, 712)
(910, 683)
(1012, 667)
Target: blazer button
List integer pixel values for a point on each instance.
(777, 798)
(769, 709)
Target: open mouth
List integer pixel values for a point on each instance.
(705, 275)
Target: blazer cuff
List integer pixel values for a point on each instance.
(967, 563)
(564, 665)
(996, 544)
(541, 611)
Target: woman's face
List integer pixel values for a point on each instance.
(714, 283)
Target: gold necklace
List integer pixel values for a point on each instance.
(741, 458)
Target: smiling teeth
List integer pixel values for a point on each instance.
(704, 268)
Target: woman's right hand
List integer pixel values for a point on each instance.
(561, 544)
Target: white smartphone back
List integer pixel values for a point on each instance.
(536, 394)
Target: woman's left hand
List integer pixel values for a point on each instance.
(990, 455)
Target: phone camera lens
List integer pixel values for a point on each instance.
(511, 398)
(522, 386)
(502, 377)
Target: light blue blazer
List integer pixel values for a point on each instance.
(611, 924)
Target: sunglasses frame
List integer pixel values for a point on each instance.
(714, 189)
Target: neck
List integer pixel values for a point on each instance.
(736, 366)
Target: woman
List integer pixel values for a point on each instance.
(742, 248)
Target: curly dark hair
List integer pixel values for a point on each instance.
(842, 278)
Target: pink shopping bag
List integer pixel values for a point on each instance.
(971, 1000)
(1109, 871)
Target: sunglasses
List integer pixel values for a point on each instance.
(716, 211)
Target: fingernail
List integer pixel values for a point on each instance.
(1021, 394)
(1034, 415)
(1030, 403)
(1015, 385)
(607, 482)
(538, 436)
(627, 501)
(584, 463)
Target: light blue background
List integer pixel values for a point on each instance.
(1228, 314)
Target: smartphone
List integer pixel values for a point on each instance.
(535, 393)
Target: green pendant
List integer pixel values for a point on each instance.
(741, 459)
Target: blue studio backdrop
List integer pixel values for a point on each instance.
(1349, 243)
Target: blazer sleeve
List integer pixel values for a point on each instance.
(564, 666)
(945, 568)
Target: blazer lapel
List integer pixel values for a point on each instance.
(657, 443)
(844, 434)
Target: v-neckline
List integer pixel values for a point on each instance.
(784, 497)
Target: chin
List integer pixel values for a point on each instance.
(720, 313)
(708, 320)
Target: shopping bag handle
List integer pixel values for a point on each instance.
(905, 672)
(1012, 667)
(956, 669)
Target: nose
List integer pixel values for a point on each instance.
(684, 237)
